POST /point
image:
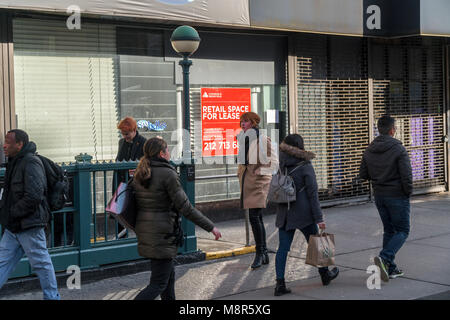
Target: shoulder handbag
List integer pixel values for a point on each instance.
(122, 206)
(178, 232)
(282, 187)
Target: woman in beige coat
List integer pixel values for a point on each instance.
(257, 161)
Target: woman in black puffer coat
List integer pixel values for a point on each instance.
(159, 196)
(305, 214)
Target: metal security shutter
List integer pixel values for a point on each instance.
(66, 87)
(333, 111)
(408, 85)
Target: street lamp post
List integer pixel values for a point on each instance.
(185, 41)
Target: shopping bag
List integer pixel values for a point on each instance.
(321, 250)
(122, 206)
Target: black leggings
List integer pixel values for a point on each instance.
(162, 281)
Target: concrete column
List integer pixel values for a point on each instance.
(292, 87)
(7, 109)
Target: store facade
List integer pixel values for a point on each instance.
(325, 71)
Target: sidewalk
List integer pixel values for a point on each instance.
(425, 258)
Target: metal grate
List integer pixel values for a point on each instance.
(333, 111)
(408, 85)
(345, 84)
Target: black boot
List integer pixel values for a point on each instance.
(280, 288)
(258, 260)
(327, 275)
(265, 256)
(259, 233)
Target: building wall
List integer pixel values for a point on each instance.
(84, 81)
(7, 106)
(74, 86)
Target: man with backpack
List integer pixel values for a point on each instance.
(24, 213)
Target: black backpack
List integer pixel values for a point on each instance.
(57, 184)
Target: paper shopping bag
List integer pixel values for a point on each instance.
(321, 250)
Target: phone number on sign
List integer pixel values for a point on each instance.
(219, 145)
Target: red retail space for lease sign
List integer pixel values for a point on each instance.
(221, 110)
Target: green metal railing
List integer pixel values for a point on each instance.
(82, 233)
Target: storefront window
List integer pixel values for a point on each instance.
(264, 100)
(73, 87)
(66, 88)
(147, 86)
(236, 61)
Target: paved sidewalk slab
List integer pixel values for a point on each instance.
(438, 241)
(350, 285)
(419, 262)
(358, 232)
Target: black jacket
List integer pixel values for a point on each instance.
(23, 204)
(129, 151)
(306, 209)
(386, 163)
(157, 202)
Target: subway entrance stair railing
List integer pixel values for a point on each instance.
(82, 233)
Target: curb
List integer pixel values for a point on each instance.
(229, 253)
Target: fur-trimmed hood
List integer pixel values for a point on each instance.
(296, 152)
(305, 210)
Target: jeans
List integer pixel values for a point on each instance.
(162, 281)
(394, 213)
(285, 240)
(33, 243)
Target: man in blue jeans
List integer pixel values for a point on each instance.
(386, 163)
(24, 213)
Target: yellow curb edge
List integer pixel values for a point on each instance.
(229, 253)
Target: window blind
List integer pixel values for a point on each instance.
(66, 88)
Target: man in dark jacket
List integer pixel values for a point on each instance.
(386, 163)
(24, 213)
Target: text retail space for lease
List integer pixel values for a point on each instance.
(221, 111)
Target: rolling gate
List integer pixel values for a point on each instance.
(345, 84)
